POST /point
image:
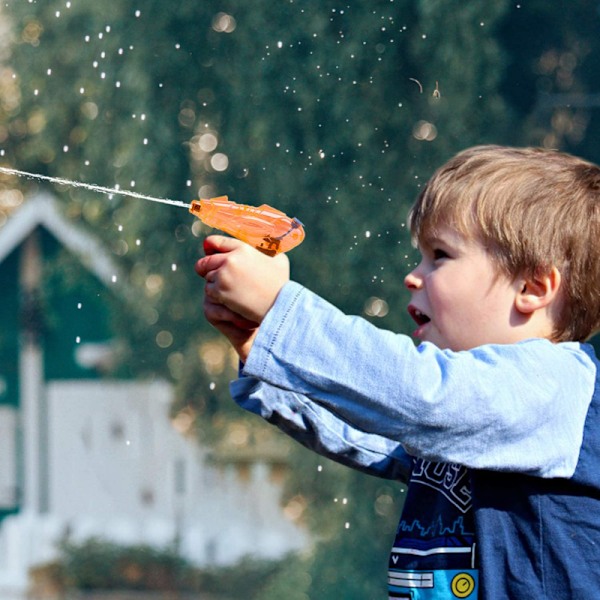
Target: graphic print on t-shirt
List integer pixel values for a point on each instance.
(433, 557)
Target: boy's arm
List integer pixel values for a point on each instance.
(299, 417)
(322, 431)
(519, 407)
(306, 422)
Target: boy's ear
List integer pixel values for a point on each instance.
(538, 291)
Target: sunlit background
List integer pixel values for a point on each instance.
(126, 468)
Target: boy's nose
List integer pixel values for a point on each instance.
(413, 281)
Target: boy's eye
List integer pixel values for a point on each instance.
(438, 254)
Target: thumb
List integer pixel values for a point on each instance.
(215, 244)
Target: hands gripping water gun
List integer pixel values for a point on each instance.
(266, 228)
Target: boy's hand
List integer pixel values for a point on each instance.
(239, 331)
(241, 278)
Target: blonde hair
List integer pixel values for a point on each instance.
(532, 209)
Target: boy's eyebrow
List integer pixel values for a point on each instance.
(436, 238)
(431, 239)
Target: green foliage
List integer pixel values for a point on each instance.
(292, 581)
(552, 74)
(245, 579)
(97, 564)
(100, 565)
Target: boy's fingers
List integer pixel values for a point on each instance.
(218, 313)
(219, 243)
(216, 248)
(211, 288)
(209, 263)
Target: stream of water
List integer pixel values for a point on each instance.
(92, 187)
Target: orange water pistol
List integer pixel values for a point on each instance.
(266, 228)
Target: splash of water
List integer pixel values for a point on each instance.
(92, 187)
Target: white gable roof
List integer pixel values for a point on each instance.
(42, 209)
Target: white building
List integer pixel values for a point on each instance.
(100, 458)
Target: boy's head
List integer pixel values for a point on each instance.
(532, 210)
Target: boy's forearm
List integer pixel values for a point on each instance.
(322, 431)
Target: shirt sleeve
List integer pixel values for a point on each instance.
(518, 407)
(322, 431)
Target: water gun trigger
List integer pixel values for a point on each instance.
(267, 229)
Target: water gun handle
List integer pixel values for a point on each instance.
(267, 229)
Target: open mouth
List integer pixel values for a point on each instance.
(418, 317)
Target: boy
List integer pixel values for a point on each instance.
(494, 418)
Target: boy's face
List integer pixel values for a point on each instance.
(459, 300)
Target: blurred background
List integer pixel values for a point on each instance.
(127, 472)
